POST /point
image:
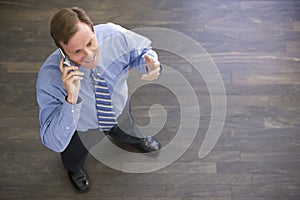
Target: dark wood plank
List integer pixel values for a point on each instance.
(255, 45)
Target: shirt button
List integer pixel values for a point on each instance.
(67, 128)
(72, 111)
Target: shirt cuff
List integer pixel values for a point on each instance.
(72, 113)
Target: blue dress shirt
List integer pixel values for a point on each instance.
(120, 50)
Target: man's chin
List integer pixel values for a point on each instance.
(90, 65)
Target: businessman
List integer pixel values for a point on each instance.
(82, 87)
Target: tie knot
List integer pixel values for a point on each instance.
(97, 76)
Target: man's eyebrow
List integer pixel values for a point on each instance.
(90, 40)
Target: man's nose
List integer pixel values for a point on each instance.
(87, 52)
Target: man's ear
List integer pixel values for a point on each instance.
(61, 47)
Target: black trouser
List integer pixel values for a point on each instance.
(74, 156)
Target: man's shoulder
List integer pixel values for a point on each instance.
(52, 62)
(109, 29)
(109, 26)
(50, 68)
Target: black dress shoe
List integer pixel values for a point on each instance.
(80, 180)
(148, 144)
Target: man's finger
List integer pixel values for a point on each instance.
(61, 65)
(146, 77)
(73, 73)
(69, 69)
(150, 61)
(150, 76)
(154, 72)
(148, 58)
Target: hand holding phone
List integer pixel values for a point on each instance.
(71, 77)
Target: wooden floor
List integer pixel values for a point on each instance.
(256, 46)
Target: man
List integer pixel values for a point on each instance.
(97, 60)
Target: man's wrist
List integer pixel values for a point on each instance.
(71, 99)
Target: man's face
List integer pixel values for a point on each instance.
(83, 48)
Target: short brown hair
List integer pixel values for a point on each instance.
(64, 24)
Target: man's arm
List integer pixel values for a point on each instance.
(146, 61)
(58, 118)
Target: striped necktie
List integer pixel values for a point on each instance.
(105, 111)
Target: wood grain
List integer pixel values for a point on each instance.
(255, 45)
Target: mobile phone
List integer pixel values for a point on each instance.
(66, 60)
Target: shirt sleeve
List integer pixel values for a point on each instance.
(138, 46)
(137, 60)
(58, 118)
(134, 45)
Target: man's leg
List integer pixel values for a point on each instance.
(73, 158)
(128, 132)
(75, 154)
